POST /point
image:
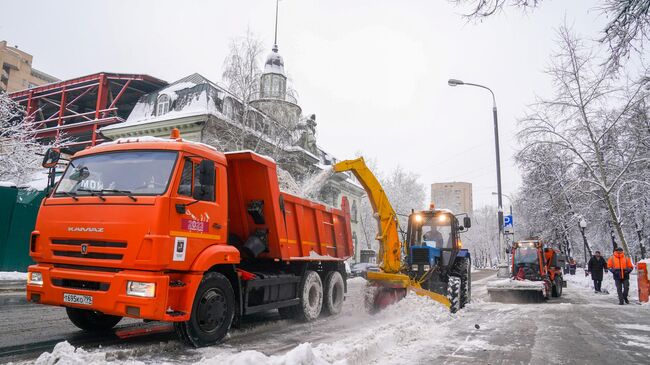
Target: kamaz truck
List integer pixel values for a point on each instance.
(171, 230)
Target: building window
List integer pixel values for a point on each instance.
(163, 105)
(354, 211)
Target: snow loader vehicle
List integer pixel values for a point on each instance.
(535, 275)
(430, 262)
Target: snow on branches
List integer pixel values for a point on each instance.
(18, 145)
(585, 151)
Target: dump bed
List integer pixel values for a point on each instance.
(293, 228)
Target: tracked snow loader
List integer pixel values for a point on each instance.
(431, 262)
(535, 275)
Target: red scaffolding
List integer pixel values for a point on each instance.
(75, 109)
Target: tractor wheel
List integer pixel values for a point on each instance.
(557, 287)
(463, 269)
(334, 293)
(453, 293)
(212, 312)
(90, 320)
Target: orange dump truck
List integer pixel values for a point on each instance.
(171, 230)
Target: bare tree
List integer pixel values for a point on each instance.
(626, 30)
(241, 69)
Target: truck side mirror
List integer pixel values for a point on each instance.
(51, 158)
(206, 174)
(467, 222)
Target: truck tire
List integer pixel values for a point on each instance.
(557, 287)
(311, 299)
(463, 269)
(212, 312)
(453, 293)
(90, 320)
(334, 293)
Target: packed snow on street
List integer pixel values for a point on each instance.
(579, 327)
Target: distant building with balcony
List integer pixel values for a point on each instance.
(455, 196)
(17, 71)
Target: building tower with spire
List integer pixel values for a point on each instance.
(273, 98)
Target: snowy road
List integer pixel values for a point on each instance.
(582, 327)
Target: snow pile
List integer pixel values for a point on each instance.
(311, 187)
(399, 334)
(580, 280)
(7, 184)
(303, 354)
(66, 354)
(287, 182)
(13, 275)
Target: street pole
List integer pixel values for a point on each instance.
(503, 265)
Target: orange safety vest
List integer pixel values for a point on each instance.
(620, 262)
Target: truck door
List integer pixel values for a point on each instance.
(198, 211)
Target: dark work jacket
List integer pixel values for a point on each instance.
(596, 267)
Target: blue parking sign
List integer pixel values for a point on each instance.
(507, 221)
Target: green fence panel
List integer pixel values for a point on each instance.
(7, 204)
(16, 253)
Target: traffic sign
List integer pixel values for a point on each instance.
(507, 221)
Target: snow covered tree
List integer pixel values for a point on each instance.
(593, 123)
(18, 145)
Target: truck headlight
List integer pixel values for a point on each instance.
(426, 267)
(414, 267)
(35, 278)
(140, 289)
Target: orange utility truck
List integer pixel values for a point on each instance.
(172, 230)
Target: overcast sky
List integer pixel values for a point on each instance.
(374, 72)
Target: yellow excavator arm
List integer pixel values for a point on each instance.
(389, 242)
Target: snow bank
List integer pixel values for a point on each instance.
(303, 354)
(7, 184)
(13, 275)
(580, 280)
(66, 354)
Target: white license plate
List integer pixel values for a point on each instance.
(78, 299)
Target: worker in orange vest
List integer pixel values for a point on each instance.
(621, 267)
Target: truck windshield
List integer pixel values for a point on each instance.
(436, 231)
(526, 255)
(118, 173)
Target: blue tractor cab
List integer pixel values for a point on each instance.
(435, 255)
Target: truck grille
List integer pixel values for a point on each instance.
(90, 243)
(81, 284)
(90, 255)
(420, 255)
(79, 249)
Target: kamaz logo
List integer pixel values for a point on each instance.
(86, 229)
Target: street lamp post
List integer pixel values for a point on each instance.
(583, 226)
(503, 267)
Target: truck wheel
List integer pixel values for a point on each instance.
(557, 287)
(212, 312)
(334, 293)
(311, 299)
(453, 293)
(90, 320)
(463, 269)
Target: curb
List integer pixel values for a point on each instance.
(13, 299)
